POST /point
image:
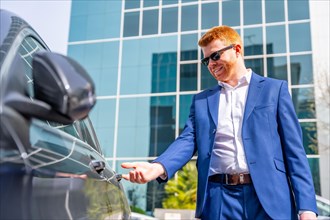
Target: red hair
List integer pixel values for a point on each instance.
(223, 33)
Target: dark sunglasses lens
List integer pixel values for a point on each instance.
(215, 56)
(205, 61)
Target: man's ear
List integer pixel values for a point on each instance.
(238, 49)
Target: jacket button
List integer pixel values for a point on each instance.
(214, 131)
(209, 154)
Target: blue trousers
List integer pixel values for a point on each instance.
(238, 202)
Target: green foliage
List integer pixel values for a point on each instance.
(137, 210)
(181, 190)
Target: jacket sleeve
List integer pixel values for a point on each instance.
(298, 169)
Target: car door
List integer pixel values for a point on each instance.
(61, 173)
(72, 176)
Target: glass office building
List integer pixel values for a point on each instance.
(144, 59)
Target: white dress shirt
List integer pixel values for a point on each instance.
(228, 154)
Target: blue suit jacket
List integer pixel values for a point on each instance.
(272, 141)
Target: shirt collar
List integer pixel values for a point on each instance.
(246, 78)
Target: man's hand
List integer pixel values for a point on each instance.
(142, 172)
(308, 216)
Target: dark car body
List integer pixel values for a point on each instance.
(51, 165)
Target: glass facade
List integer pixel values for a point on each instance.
(144, 59)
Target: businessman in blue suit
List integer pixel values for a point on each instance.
(251, 162)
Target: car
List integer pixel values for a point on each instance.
(323, 206)
(51, 164)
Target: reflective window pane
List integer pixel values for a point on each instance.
(231, 12)
(169, 20)
(101, 62)
(162, 123)
(252, 12)
(169, 2)
(304, 102)
(207, 80)
(298, 10)
(103, 26)
(79, 7)
(151, 65)
(133, 127)
(107, 84)
(77, 53)
(188, 77)
(274, 11)
(275, 36)
(78, 30)
(104, 22)
(277, 68)
(309, 131)
(210, 15)
(129, 72)
(164, 72)
(184, 1)
(95, 24)
(131, 4)
(300, 37)
(185, 103)
(189, 47)
(189, 18)
(131, 24)
(314, 164)
(112, 25)
(257, 65)
(150, 3)
(301, 69)
(146, 126)
(103, 118)
(150, 22)
(253, 41)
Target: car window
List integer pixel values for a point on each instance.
(70, 129)
(27, 49)
(87, 133)
(82, 130)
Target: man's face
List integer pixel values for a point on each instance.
(223, 68)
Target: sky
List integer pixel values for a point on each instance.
(50, 18)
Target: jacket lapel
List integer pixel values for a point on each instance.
(255, 88)
(213, 103)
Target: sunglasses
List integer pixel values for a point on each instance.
(216, 55)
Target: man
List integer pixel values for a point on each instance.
(251, 162)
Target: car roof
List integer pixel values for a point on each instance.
(11, 25)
